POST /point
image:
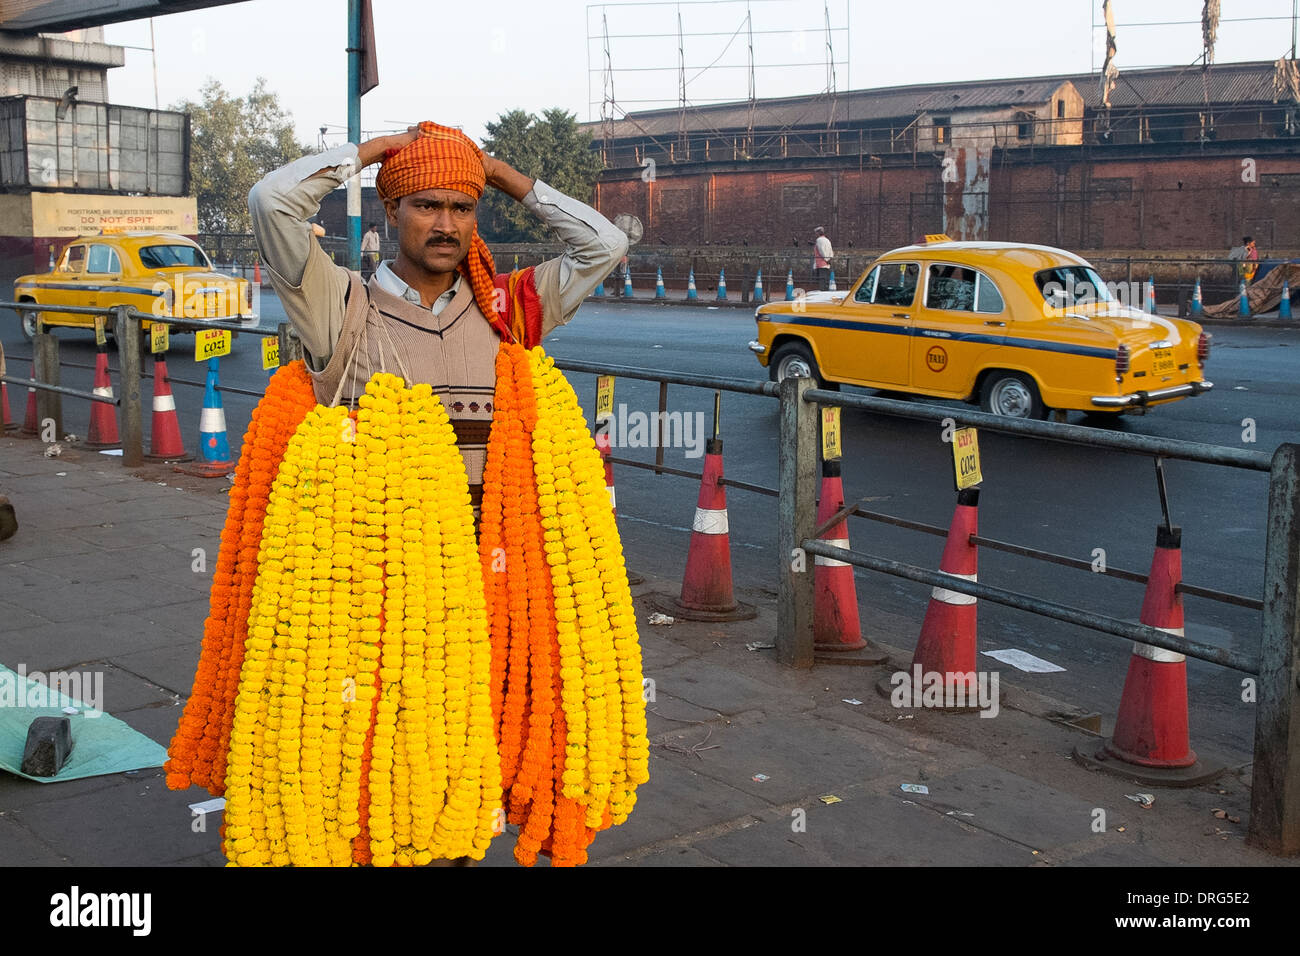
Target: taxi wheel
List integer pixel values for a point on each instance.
(27, 321)
(1011, 395)
(795, 360)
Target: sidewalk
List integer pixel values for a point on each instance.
(745, 754)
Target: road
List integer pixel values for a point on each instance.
(1066, 499)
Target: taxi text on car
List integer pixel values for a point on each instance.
(158, 273)
(1021, 329)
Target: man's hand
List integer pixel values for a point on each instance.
(501, 175)
(372, 150)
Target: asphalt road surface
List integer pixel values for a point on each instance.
(1066, 499)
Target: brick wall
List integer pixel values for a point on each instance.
(1160, 199)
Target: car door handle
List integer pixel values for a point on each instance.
(902, 315)
(1001, 325)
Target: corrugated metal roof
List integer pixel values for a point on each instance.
(1227, 83)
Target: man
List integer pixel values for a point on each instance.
(370, 250)
(822, 253)
(436, 313)
(1251, 264)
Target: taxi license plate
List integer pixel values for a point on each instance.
(1164, 361)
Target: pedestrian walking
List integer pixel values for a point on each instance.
(822, 253)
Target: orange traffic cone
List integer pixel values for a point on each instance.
(257, 272)
(103, 417)
(603, 446)
(1150, 743)
(947, 642)
(706, 586)
(836, 623)
(31, 424)
(165, 433)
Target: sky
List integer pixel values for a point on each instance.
(436, 62)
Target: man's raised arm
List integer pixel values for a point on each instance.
(593, 244)
(308, 282)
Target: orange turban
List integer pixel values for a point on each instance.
(444, 158)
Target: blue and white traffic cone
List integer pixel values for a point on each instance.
(1197, 303)
(758, 286)
(722, 285)
(599, 291)
(691, 294)
(213, 459)
(830, 286)
(1284, 307)
(789, 286)
(627, 284)
(1243, 301)
(660, 291)
(1151, 294)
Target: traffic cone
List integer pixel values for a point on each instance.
(691, 294)
(830, 286)
(257, 272)
(165, 431)
(837, 625)
(947, 641)
(103, 417)
(599, 292)
(213, 459)
(789, 286)
(1151, 295)
(31, 423)
(627, 284)
(1150, 743)
(722, 285)
(758, 286)
(660, 292)
(1243, 301)
(706, 586)
(1197, 302)
(1151, 729)
(9, 424)
(1284, 306)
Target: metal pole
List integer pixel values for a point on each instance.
(795, 508)
(128, 360)
(49, 405)
(354, 130)
(1275, 783)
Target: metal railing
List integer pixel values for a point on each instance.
(127, 332)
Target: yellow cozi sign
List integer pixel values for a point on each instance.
(966, 458)
(211, 343)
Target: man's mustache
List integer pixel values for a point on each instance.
(439, 240)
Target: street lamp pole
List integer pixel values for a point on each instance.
(354, 131)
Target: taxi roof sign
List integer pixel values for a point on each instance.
(937, 237)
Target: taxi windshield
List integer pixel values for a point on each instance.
(1072, 285)
(167, 257)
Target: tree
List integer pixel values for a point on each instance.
(550, 148)
(234, 142)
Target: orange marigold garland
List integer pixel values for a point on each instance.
(567, 664)
(198, 750)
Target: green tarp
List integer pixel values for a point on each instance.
(101, 744)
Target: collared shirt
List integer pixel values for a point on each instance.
(312, 288)
(390, 282)
(370, 241)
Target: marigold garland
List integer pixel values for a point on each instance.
(198, 750)
(566, 659)
(375, 682)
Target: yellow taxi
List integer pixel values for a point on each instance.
(157, 273)
(1020, 329)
